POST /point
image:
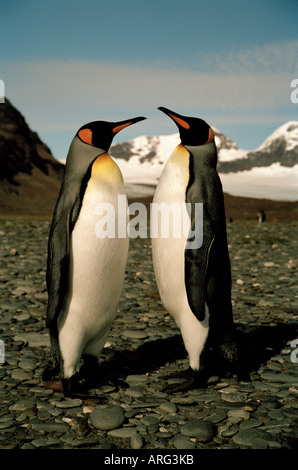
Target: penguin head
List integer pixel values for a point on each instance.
(100, 134)
(193, 131)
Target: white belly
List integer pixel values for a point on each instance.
(169, 261)
(168, 257)
(96, 274)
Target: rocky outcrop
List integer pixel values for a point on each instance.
(30, 177)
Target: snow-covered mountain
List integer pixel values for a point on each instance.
(280, 147)
(270, 172)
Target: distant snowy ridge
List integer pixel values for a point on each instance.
(287, 133)
(275, 182)
(270, 172)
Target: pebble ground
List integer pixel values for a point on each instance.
(144, 346)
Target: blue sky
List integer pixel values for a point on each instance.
(68, 62)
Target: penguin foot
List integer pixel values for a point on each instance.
(51, 370)
(90, 368)
(231, 358)
(192, 379)
(65, 386)
(73, 387)
(181, 374)
(54, 384)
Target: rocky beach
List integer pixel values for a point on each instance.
(129, 409)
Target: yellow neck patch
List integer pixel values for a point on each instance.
(180, 155)
(104, 168)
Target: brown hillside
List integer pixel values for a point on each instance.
(30, 176)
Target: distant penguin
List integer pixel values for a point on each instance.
(85, 272)
(195, 283)
(261, 216)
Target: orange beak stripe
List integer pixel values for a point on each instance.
(86, 136)
(119, 128)
(180, 121)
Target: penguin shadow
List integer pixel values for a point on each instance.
(257, 345)
(148, 357)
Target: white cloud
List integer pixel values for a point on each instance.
(249, 87)
(274, 57)
(60, 94)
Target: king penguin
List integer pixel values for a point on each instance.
(85, 271)
(194, 283)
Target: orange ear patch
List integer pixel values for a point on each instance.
(86, 136)
(211, 136)
(180, 121)
(119, 128)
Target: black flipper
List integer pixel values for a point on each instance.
(57, 278)
(196, 265)
(64, 218)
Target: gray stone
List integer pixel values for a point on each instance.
(43, 414)
(271, 404)
(50, 427)
(231, 394)
(238, 413)
(148, 420)
(134, 334)
(21, 374)
(276, 414)
(168, 407)
(22, 317)
(42, 392)
(228, 431)
(183, 400)
(203, 430)
(278, 377)
(22, 405)
(28, 445)
(136, 391)
(206, 397)
(247, 437)
(136, 441)
(40, 442)
(146, 402)
(27, 364)
(183, 443)
(41, 295)
(128, 432)
(137, 379)
(6, 424)
(107, 419)
(259, 443)
(71, 403)
(291, 412)
(250, 423)
(34, 339)
(217, 416)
